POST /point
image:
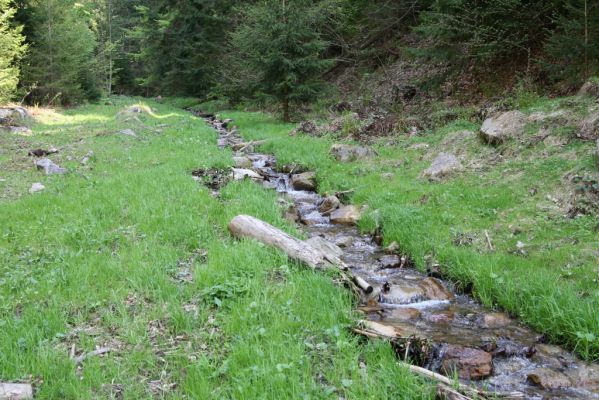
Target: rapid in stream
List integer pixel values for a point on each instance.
(485, 348)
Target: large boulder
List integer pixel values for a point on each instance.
(590, 88)
(443, 165)
(348, 152)
(468, 363)
(304, 181)
(502, 127)
(49, 167)
(346, 215)
(12, 115)
(589, 127)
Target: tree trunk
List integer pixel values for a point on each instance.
(286, 110)
(245, 226)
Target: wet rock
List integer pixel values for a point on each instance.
(548, 379)
(433, 289)
(589, 127)
(346, 215)
(585, 375)
(312, 218)
(49, 167)
(401, 294)
(128, 132)
(444, 164)
(504, 126)
(241, 173)
(36, 187)
(306, 127)
(329, 204)
(404, 314)
(304, 181)
(291, 214)
(390, 261)
(345, 241)
(441, 317)
(495, 320)
(347, 152)
(468, 363)
(551, 355)
(590, 88)
(242, 162)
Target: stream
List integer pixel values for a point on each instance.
(452, 333)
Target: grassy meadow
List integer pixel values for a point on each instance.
(129, 253)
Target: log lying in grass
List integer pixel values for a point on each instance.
(15, 391)
(247, 226)
(314, 252)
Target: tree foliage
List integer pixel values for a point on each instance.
(11, 50)
(281, 45)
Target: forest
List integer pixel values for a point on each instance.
(67, 51)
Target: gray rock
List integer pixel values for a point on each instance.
(346, 215)
(390, 261)
(87, 157)
(49, 167)
(36, 187)
(11, 115)
(589, 89)
(504, 126)
(347, 152)
(304, 181)
(241, 173)
(242, 162)
(329, 204)
(589, 127)
(306, 127)
(128, 132)
(443, 165)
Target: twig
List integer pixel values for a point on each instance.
(100, 351)
(460, 386)
(489, 241)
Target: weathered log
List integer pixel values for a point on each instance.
(446, 393)
(15, 391)
(247, 226)
(362, 284)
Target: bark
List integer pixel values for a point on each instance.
(246, 226)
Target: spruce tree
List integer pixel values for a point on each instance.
(280, 44)
(60, 64)
(11, 50)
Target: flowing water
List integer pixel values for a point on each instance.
(485, 348)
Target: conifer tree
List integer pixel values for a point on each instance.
(280, 44)
(11, 50)
(60, 64)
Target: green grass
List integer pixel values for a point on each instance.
(553, 287)
(97, 259)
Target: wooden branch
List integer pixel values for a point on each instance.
(445, 392)
(468, 390)
(100, 351)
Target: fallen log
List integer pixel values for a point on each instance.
(315, 253)
(15, 391)
(246, 226)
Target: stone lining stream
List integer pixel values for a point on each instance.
(451, 332)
